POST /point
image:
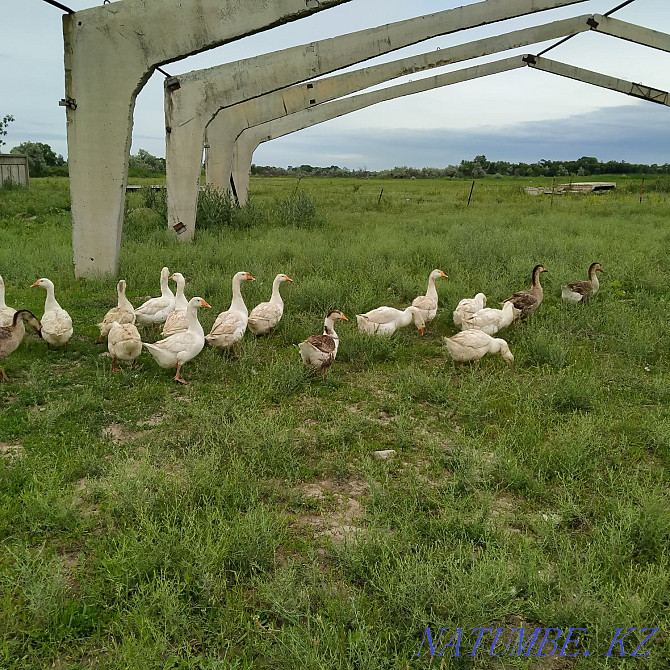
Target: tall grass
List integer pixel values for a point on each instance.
(241, 522)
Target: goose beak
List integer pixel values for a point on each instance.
(171, 277)
(250, 278)
(35, 284)
(422, 330)
(205, 304)
(443, 275)
(288, 278)
(344, 318)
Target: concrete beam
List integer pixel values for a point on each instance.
(250, 138)
(230, 122)
(193, 99)
(597, 79)
(110, 53)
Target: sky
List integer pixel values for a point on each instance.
(523, 115)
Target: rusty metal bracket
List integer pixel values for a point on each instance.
(70, 103)
(593, 23)
(172, 84)
(530, 59)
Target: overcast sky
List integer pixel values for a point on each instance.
(523, 115)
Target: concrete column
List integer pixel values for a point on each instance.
(193, 99)
(110, 53)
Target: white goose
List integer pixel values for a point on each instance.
(386, 320)
(471, 345)
(7, 313)
(319, 351)
(428, 303)
(56, 322)
(123, 343)
(266, 315)
(124, 312)
(229, 327)
(155, 310)
(180, 348)
(491, 320)
(177, 321)
(467, 307)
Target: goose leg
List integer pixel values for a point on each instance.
(178, 377)
(115, 367)
(4, 376)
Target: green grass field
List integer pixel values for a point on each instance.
(241, 521)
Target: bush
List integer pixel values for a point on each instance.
(297, 210)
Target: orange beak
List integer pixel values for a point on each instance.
(344, 318)
(443, 275)
(35, 284)
(171, 277)
(421, 331)
(288, 278)
(205, 304)
(250, 278)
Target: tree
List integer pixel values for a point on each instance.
(41, 158)
(7, 119)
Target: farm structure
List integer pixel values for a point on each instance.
(112, 50)
(14, 168)
(230, 122)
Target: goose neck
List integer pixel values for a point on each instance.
(237, 303)
(51, 303)
(276, 296)
(194, 324)
(2, 294)
(431, 291)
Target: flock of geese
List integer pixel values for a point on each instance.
(184, 337)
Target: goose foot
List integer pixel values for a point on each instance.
(178, 377)
(4, 376)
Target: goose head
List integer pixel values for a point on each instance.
(43, 283)
(595, 267)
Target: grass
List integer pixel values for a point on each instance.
(241, 522)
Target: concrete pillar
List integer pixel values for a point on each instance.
(230, 122)
(193, 99)
(250, 138)
(110, 53)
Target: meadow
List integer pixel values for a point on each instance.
(242, 522)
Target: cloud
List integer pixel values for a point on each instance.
(634, 133)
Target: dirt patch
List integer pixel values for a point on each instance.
(154, 420)
(11, 451)
(118, 433)
(340, 508)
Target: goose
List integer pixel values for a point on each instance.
(491, 320)
(581, 291)
(471, 345)
(7, 313)
(467, 307)
(318, 351)
(123, 343)
(180, 348)
(528, 301)
(56, 322)
(124, 312)
(386, 320)
(12, 335)
(229, 327)
(177, 321)
(266, 315)
(155, 310)
(428, 303)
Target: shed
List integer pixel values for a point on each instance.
(14, 168)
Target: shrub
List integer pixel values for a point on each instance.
(297, 210)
